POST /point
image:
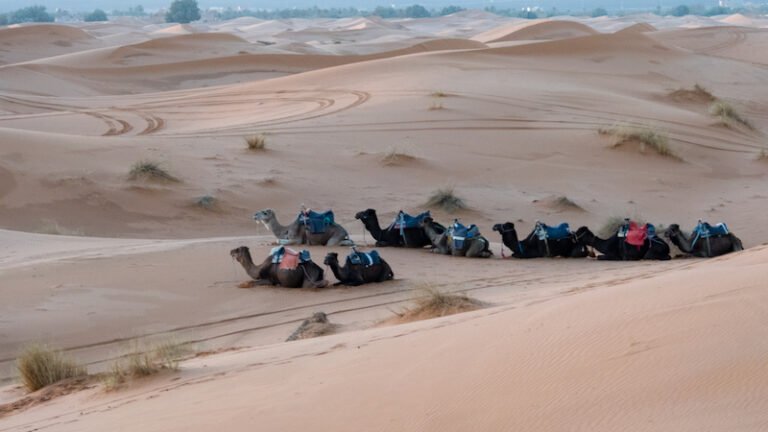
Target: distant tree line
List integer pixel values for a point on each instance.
(413, 11)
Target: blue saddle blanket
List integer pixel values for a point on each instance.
(279, 252)
(705, 230)
(546, 232)
(366, 259)
(317, 223)
(405, 221)
(461, 233)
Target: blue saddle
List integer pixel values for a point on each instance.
(366, 259)
(546, 232)
(405, 221)
(279, 252)
(460, 233)
(704, 231)
(317, 223)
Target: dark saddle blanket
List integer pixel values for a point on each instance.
(317, 223)
(546, 232)
(405, 221)
(705, 230)
(287, 258)
(366, 259)
(461, 233)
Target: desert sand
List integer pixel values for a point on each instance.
(506, 111)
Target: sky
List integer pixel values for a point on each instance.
(573, 5)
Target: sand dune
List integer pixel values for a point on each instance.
(505, 111)
(536, 30)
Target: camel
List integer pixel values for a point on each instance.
(534, 247)
(355, 274)
(443, 243)
(305, 275)
(297, 233)
(705, 248)
(392, 236)
(615, 248)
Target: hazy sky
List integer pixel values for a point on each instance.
(86, 5)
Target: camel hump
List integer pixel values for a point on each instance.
(317, 222)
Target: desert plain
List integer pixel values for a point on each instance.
(368, 113)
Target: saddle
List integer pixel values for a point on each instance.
(546, 232)
(288, 259)
(636, 234)
(365, 259)
(405, 221)
(705, 231)
(316, 223)
(461, 233)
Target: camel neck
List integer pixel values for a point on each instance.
(336, 269)
(373, 227)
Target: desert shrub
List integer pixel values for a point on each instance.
(256, 142)
(144, 361)
(645, 136)
(728, 113)
(206, 202)
(149, 170)
(40, 366)
(439, 94)
(445, 199)
(433, 303)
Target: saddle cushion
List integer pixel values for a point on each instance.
(705, 230)
(317, 223)
(546, 232)
(287, 258)
(405, 221)
(460, 233)
(366, 259)
(636, 234)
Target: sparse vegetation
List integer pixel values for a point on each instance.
(445, 199)
(697, 94)
(433, 303)
(40, 366)
(149, 170)
(396, 157)
(439, 94)
(564, 202)
(728, 114)
(206, 202)
(645, 136)
(143, 362)
(256, 142)
(763, 155)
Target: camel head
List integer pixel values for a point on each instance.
(331, 258)
(583, 234)
(672, 230)
(426, 221)
(365, 214)
(265, 215)
(505, 227)
(241, 254)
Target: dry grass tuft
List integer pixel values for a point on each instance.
(206, 202)
(149, 170)
(728, 114)
(143, 362)
(763, 155)
(565, 203)
(40, 366)
(52, 227)
(316, 326)
(256, 142)
(434, 303)
(697, 94)
(395, 157)
(439, 94)
(445, 199)
(645, 136)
